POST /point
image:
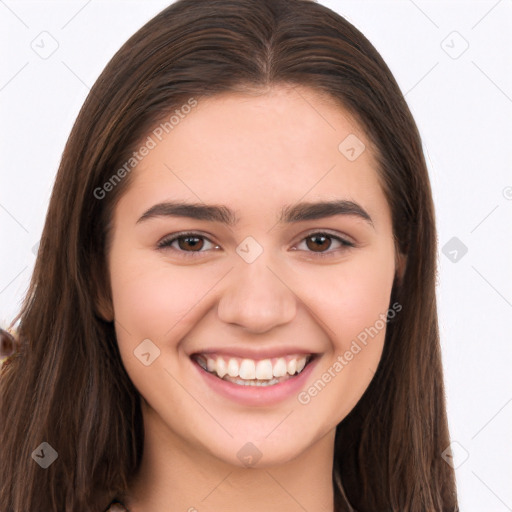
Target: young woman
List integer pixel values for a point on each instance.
(233, 304)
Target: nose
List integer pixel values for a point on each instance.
(256, 297)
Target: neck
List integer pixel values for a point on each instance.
(174, 476)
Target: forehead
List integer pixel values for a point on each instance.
(258, 151)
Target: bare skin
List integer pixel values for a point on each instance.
(253, 153)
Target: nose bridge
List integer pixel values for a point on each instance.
(256, 296)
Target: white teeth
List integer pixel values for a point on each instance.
(221, 367)
(261, 383)
(280, 368)
(233, 368)
(264, 369)
(248, 369)
(210, 364)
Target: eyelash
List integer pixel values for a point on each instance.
(167, 242)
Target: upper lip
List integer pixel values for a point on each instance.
(252, 353)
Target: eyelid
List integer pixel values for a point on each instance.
(166, 241)
(346, 242)
(332, 234)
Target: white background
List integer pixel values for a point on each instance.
(462, 103)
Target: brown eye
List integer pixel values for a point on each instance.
(319, 243)
(194, 243)
(186, 243)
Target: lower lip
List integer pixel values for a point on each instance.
(258, 395)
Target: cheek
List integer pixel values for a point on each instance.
(150, 297)
(354, 296)
(354, 307)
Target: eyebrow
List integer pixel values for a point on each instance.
(289, 214)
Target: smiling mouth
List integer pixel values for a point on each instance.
(251, 372)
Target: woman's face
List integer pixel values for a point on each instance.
(254, 296)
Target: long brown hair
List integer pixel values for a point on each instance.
(67, 387)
